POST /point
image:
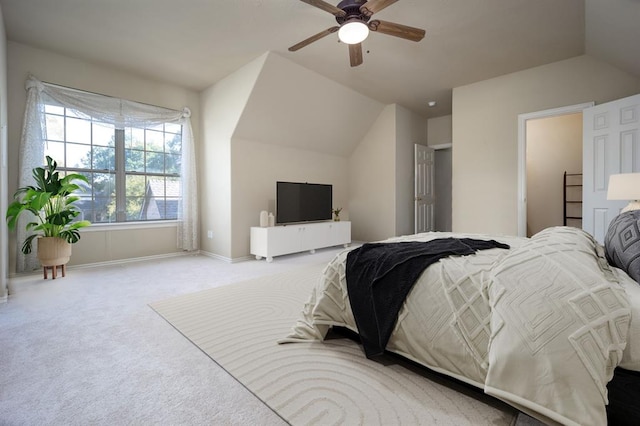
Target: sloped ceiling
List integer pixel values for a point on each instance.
(195, 43)
(613, 33)
(293, 106)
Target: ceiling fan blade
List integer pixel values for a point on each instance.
(397, 30)
(355, 54)
(326, 7)
(373, 6)
(313, 38)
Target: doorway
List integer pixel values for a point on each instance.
(553, 149)
(443, 177)
(433, 206)
(523, 142)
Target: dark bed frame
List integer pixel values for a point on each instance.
(624, 388)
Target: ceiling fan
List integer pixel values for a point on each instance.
(354, 19)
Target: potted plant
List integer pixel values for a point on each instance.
(52, 203)
(336, 214)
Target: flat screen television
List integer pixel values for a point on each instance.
(303, 202)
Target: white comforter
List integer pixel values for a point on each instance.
(540, 326)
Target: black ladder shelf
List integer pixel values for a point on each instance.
(572, 180)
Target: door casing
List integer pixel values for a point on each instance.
(522, 155)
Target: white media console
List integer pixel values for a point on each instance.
(286, 239)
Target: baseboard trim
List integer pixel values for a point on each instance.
(16, 278)
(224, 258)
(242, 259)
(135, 259)
(215, 256)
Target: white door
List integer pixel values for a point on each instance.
(424, 199)
(611, 137)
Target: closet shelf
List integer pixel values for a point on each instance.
(573, 177)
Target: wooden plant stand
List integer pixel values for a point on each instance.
(54, 270)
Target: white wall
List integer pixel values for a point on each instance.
(296, 107)
(258, 166)
(485, 133)
(439, 130)
(272, 120)
(411, 129)
(381, 176)
(99, 243)
(221, 106)
(296, 126)
(372, 181)
(554, 145)
(4, 189)
(275, 120)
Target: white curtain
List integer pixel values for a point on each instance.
(120, 113)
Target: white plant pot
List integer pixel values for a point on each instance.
(53, 251)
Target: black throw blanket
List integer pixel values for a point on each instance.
(380, 276)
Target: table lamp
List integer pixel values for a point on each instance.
(625, 186)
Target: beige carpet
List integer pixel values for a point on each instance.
(323, 383)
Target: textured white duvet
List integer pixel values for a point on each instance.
(540, 326)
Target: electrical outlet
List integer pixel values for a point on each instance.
(209, 234)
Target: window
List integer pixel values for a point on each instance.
(134, 173)
(139, 158)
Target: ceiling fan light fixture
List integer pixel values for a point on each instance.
(353, 32)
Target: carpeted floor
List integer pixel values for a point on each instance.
(88, 349)
(314, 383)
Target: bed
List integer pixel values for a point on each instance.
(541, 324)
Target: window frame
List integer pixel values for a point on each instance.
(119, 171)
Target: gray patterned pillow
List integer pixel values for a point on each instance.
(622, 243)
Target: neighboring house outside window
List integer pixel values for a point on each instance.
(161, 200)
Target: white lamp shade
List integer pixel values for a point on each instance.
(625, 186)
(353, 32)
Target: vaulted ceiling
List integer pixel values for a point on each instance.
(195, 43)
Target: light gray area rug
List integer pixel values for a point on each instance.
(324, 383)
